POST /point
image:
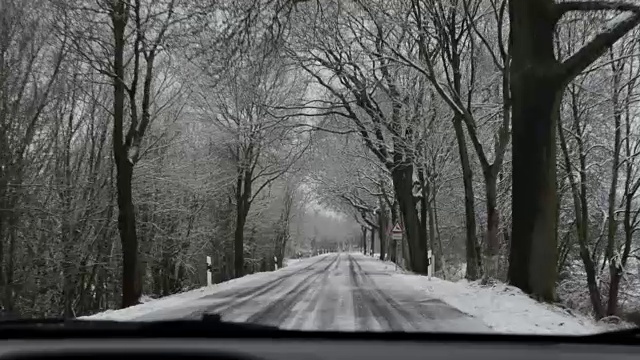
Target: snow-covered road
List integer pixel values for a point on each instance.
(330, 292)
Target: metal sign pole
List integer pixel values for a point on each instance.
(402, 253)
(395, 249)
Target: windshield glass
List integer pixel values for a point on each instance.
(419, 165)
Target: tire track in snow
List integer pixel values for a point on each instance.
(235, 299)
(394, 315)
(279, 310)
(312, 298)
(369, 307)
(414, 317)
(234, 293)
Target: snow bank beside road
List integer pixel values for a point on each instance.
(504, 308)
(507, 309)
(152, 305)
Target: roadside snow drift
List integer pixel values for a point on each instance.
(506, 309)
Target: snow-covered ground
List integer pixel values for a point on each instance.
(189, 300)
(292, 262)
(503, 308)
(356, 292)
(506, 309)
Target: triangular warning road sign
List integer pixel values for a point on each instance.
(396, 229)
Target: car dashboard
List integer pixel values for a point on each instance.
(304, 349)
(212, 338)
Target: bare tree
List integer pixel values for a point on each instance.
(32, 56)
(257, 140)
(536, 92)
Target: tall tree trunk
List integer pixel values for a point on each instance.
(7, 231)
(403, 185)
(372, 235)
(424, 199)
(364, 239)
(533, 254)
(615, 269)
(243, 194)
(383, 227)
(393, 244)
(493, 222)
(131, 284)
(3, 281)
(433, 242)
(238, 241)
(536, 97)
(9, 289)
(131, 289)
(393, 251)
(469, 202)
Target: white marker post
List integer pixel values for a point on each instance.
(209, 281)
(430, 268)
(275, 262)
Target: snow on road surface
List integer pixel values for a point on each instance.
(354, 292)
(189, 301)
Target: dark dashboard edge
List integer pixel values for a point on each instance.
(621, 337)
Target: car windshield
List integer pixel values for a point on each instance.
(342, 165)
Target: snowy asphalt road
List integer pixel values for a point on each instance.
(331, 292)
